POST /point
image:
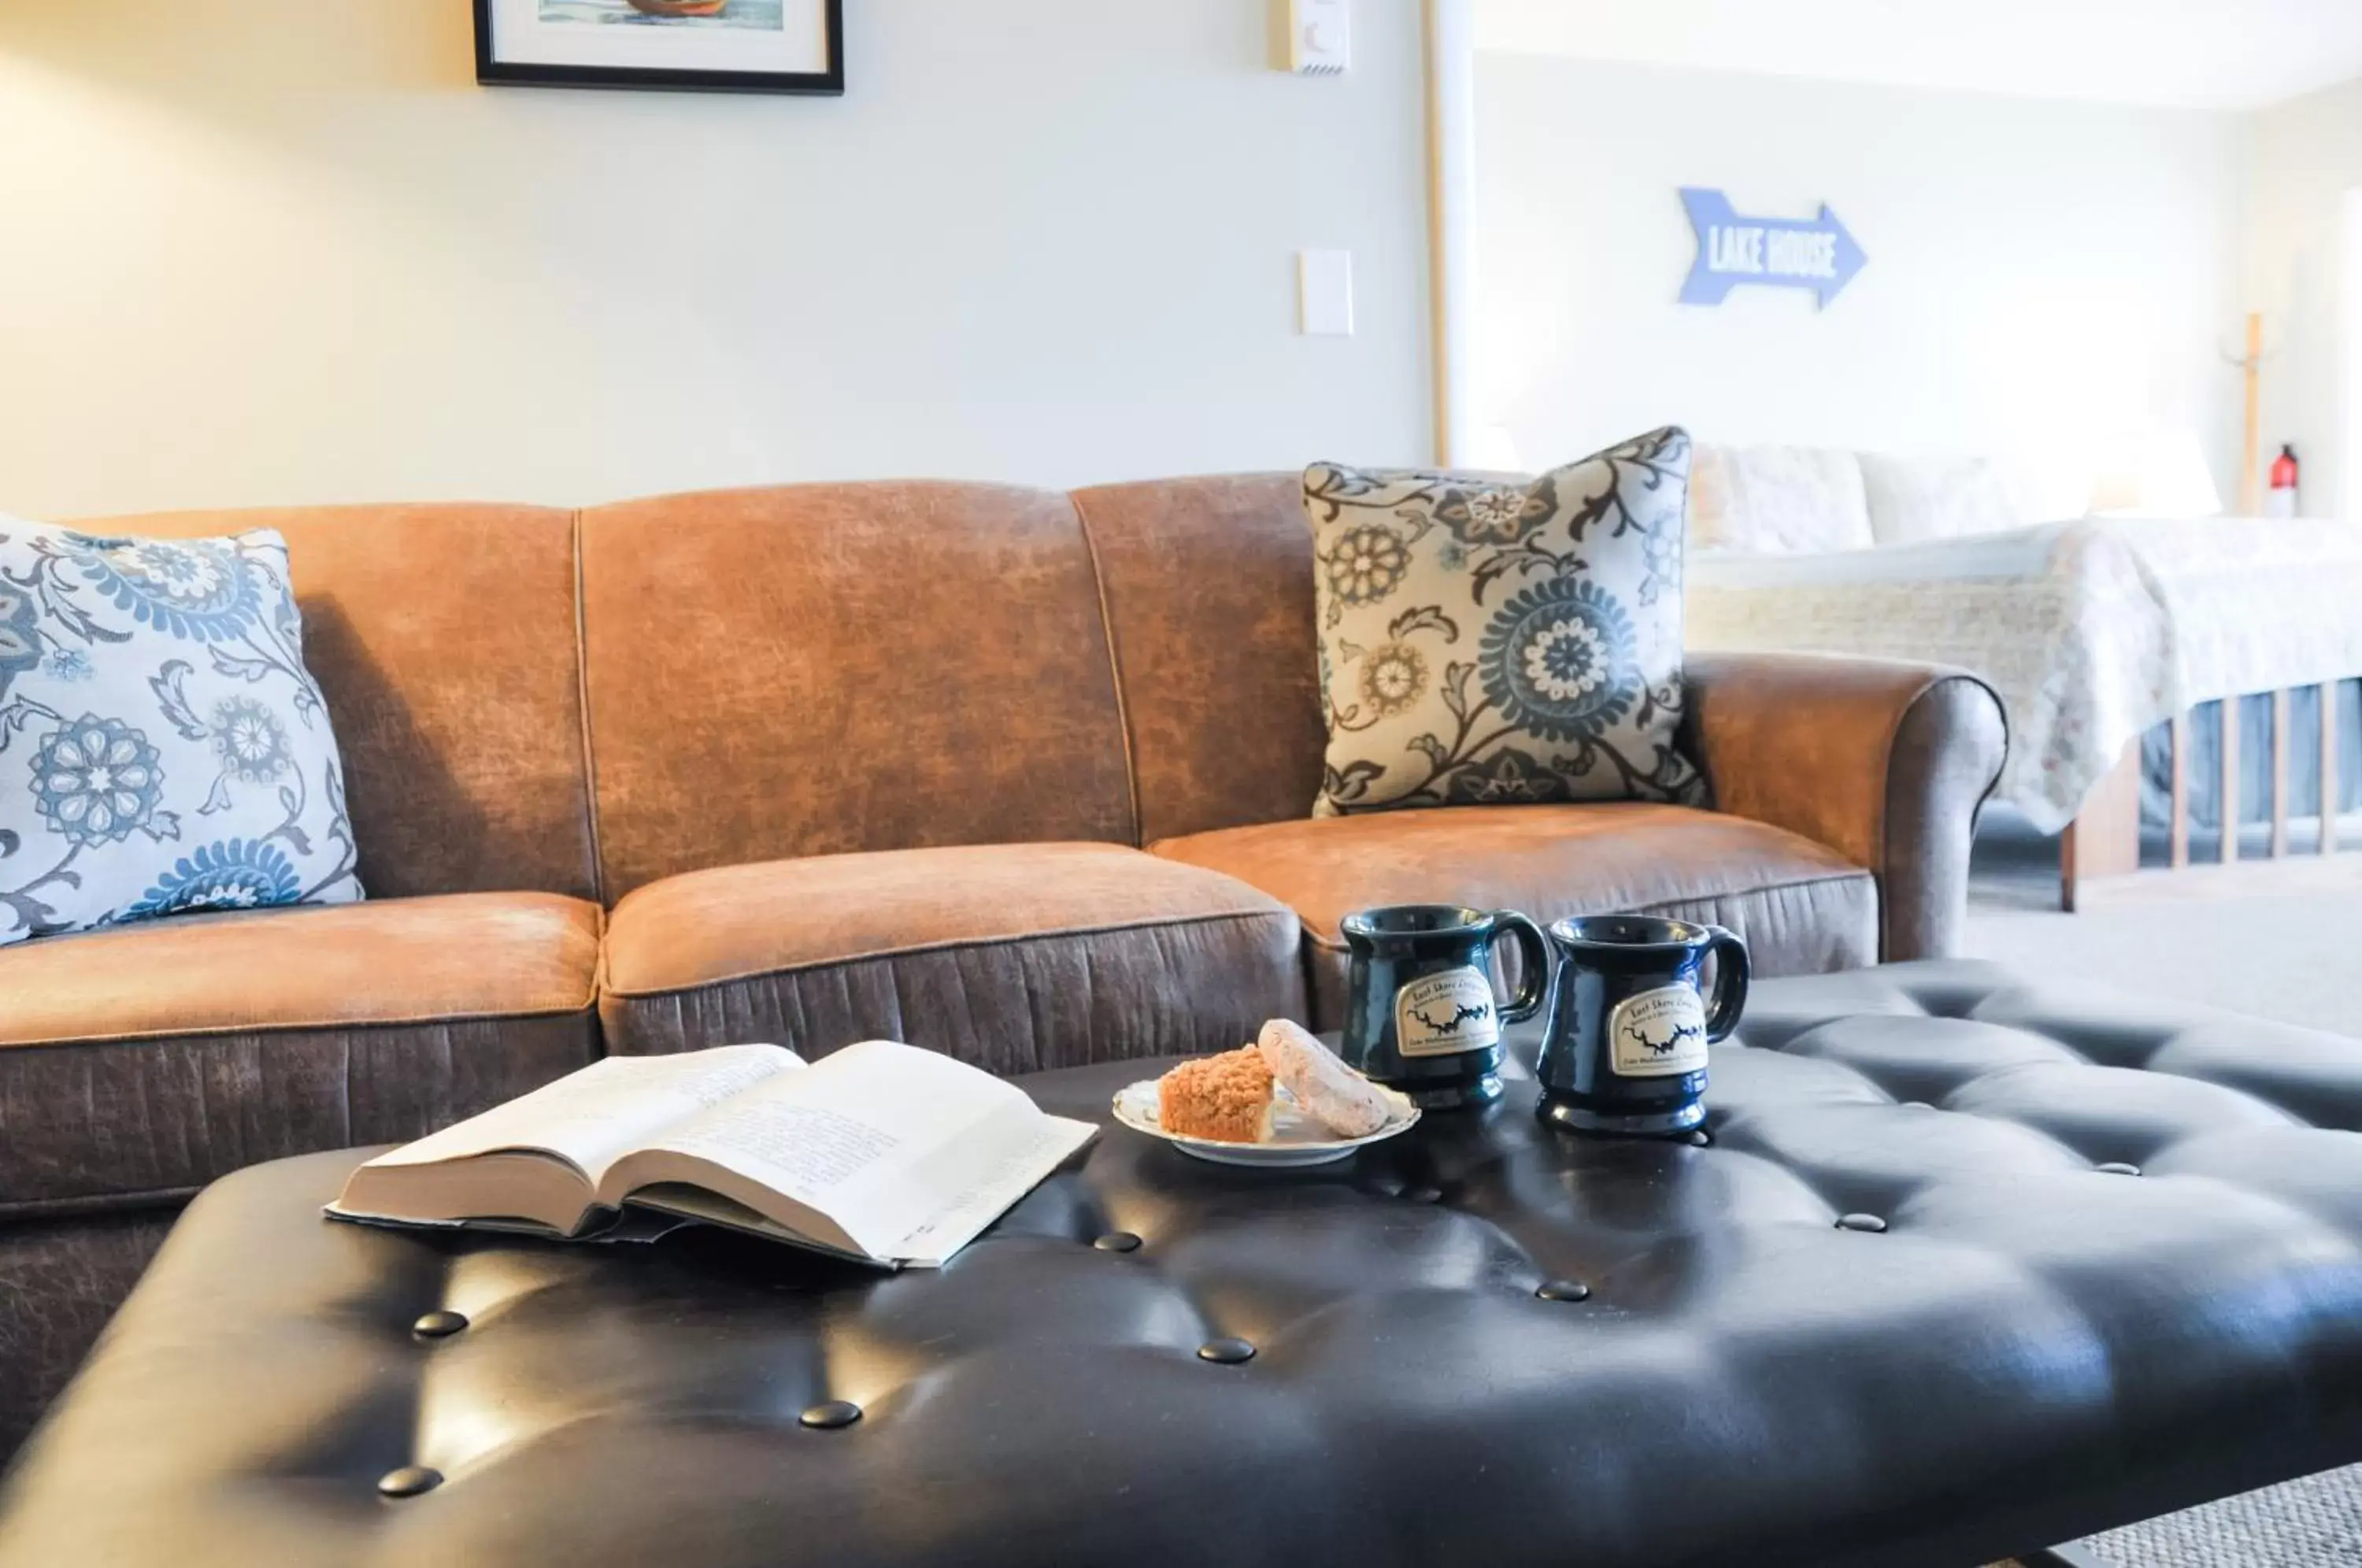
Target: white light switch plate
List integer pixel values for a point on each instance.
(1324, 292)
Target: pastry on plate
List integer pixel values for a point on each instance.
(1322, 1085)
(1227, 1098)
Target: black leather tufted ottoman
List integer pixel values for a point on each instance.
(1969, 1266)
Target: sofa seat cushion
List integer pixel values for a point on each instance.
(1803, 909)
(1015, 957)
(148, 1059)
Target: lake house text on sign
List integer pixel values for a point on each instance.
(1818, 254)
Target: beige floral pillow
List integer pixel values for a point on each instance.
(1485, 641)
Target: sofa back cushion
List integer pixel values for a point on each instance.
(815, 670)
(1777, 501)
(443, 639)
(1209, 585)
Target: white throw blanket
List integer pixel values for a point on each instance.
(2092, 631)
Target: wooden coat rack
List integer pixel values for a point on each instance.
(2251, 451)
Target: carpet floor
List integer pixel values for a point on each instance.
(2283, 954)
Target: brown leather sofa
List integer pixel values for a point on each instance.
(1018, 775)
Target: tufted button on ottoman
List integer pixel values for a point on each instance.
(2108, 1267)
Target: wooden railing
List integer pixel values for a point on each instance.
(2105, 839)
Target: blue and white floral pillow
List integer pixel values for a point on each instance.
(1485, 643)
(162, 748)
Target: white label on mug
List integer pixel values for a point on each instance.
(1439, 1014)
(1658, 1034)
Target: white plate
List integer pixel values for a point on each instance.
(1296, 1139)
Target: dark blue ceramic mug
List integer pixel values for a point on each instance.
(1626, 1049)
(1421, 1015)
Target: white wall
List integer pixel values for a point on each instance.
(2213, 54)
(2306, 155)
(2042, 275)
(283, 250)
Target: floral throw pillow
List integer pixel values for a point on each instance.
(1491, 643)
(162, 748)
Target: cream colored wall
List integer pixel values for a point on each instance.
(287, 251)
(2045, 278)
(2305, 155)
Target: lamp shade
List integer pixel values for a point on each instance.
(2160, 474)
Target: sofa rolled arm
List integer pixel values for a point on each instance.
(1885, 762)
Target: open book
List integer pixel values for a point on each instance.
(883, 1152)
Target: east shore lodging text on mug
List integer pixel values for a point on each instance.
(1421, 1015)
(1628, 1022)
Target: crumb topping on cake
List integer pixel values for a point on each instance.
(1226, 1097)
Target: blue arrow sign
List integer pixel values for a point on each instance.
(1815, 253)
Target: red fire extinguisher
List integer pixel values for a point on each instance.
(2281, 500)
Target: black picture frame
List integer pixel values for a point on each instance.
(830, 83)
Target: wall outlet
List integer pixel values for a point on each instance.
(1324, 294)
(1320, 36)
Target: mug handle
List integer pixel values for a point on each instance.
(1729, 982)
(1538, 969)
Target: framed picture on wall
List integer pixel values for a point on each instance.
(712, 46)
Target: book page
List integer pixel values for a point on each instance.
(879, 1137)
(591, 1117)
(979, 1176)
